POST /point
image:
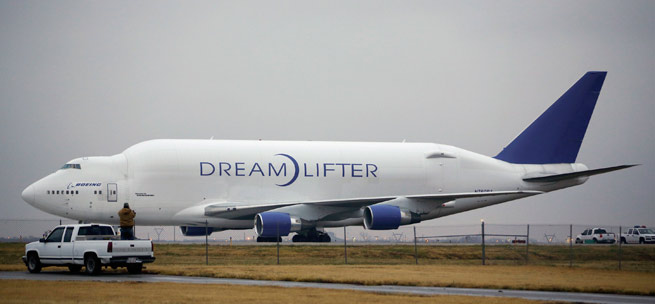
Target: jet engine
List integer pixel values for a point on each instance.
(386, 217)
(273, 224)
(196, 231)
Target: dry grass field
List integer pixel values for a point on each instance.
(595, 267)
(501, 277)
(18, 291)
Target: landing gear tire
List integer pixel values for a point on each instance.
(298, 238)
(92, 264)
(324, 238)
(33, 263)
(311, 236)
(261, 239)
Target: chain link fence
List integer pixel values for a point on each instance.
(483, 243)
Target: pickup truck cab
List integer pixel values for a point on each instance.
(88, 245)
(638, 235)
(595, 235)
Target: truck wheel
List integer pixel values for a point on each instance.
(74, 268)
(578, 241)
(92, 264)
(641, 241)
(33, 263)
(134, 268)
(623, 240)
(595, 241)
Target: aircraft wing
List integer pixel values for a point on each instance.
(245, 210)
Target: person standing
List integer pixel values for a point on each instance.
(126, 216)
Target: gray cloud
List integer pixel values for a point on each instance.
(93, 78)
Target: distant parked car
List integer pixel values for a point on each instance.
(638, 235)
(595, 235)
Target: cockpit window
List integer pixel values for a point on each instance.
(71, 166)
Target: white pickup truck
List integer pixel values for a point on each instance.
(595, 235)
(88, 245)
(638, 235)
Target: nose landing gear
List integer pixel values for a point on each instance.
(311, 235)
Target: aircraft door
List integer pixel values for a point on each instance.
(112, 192)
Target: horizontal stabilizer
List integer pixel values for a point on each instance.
(565, 176)
(446, 197)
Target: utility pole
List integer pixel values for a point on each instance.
(206, 243)
(571, 245)
(345, 249)
(415, 247)
(527, 244)
(620, 252)
(483, 253)
(277, 239)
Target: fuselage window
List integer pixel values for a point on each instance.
(95, 191)
(100, 192)
(57, 191)
(66, 191)
(47, 192)
(77, 192)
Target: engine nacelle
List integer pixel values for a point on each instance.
(196, 231)
(273, 224)
(386, 217)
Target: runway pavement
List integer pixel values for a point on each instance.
(525, 294)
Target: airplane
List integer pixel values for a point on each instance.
(303, 187)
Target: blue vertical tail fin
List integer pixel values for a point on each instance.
(556, 136)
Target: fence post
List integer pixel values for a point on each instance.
(206, 243)
(345, 250)
(415, 247)
(277, 240)
(620, 253)
(173, 233)
(483, 253)
(527, 244)
(571, 245)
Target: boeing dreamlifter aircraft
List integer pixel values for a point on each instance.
(282, 187)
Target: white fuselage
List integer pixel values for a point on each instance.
(160, 179)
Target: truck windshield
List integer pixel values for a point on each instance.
(599, 231)
(96, 230)
(646, 231)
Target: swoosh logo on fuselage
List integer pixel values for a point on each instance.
(295, 172)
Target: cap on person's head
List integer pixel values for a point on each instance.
(126, 205)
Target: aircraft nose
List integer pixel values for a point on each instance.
(28, 194)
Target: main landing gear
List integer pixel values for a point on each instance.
(261, 239)
(311, 235)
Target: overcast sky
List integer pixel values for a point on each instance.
(95, 77)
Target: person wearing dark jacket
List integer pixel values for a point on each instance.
(126, 216)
